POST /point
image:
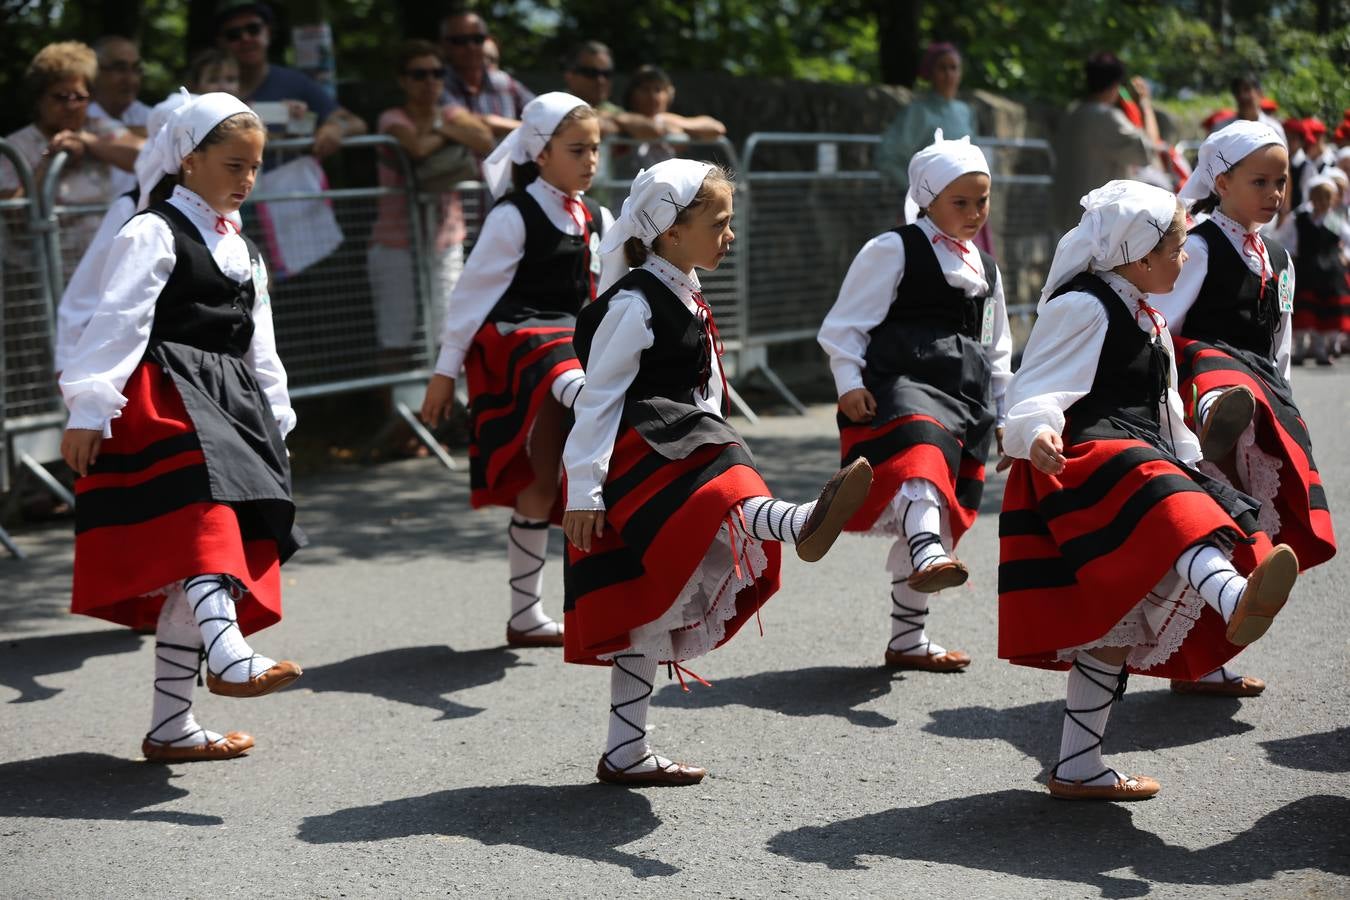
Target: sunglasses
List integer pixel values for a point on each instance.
(593, 72)
(252, 29)
(80, 99)
(425, 74)
(464, 40)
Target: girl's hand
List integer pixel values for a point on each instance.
(581, 524)
(79, 448)
(1047, 453)
(858, 405)
(1004, 460)
(439, 401)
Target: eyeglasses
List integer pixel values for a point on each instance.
(124, 68)
(79, 99)
(593, 72)
(236, 34)
(424, 74)
(464, 40)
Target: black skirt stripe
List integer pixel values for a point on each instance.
(598, 571)
(1022, 523)
(1087, 547)
(881, 448)
(640, 530)
(125, 463)
(1317, 498)
(1098, 484)
(114, 506)
(1035, 574)
(969, 492)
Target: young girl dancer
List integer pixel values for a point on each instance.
(1230, 317)
(178, 412)
(509, 324)
(1313, 237)
(920, 349)
(1114, 552)
(674, 536)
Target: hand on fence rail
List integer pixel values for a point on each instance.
(859, 405)
(439, 401)
(79, 448)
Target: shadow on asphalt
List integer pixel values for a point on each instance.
(24, 660)
(93, 786)
(1328, 751)
(1029, 834)
(583, 821)
(417, 676)
(817, 691)
(1034, 727)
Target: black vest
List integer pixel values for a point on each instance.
(1132, 371)
(554, 275)
(200, 306)
(679, 358)
(1318, 265)
(923, 295)
(1231, 306)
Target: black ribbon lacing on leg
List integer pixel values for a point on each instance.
(640, 734)
(918, 541)
(912, 617)
(1199, 587)
(517, 589)
(190, 672)
(235, 589)
(780, 530)
(1117, 692)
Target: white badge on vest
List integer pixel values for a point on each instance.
(987, 322)
(260, 284)
(1286, 292)
(595, 253)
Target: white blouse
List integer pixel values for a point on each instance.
(492, 265)
(616, 352)
(869, 289)
(1060, 363)
(1177, 303)
(131, 277)
(82, 291)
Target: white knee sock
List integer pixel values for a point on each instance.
(909, 611)
(631, 682)
(1092, 689)
(776, 520)
(566, 387)
(228, 655)
(921, 524)
(526, 546)
(1209, 572)
(1206, 402)
(178, 643)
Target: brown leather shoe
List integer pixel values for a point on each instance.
(939, 577)
(951, 661)
(1239, 686)
(1267, 590)
(676, 775)
(236, 743)
(838, 501)
(1129, 787)
(1229, 416)
(532, 639)
(274, 679)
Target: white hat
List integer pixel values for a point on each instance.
(1223, 150)
(184, 128)
(1122, 221)
(538, 120)
(938, 165)
(658, 195)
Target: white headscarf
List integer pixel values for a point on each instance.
(938, 165)
(159, 114)
(1223, 150)
(538, 120)
(1122, 221)
(656, 198)
(183, 130)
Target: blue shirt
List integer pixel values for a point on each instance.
(285, 83)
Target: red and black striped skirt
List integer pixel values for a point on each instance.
(1079, 550)
(662, 517)
(1305, 518)
(915, 446)
(145, 518)
(511, 369)
(1323, 310)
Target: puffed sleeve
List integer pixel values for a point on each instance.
(1000, 351)
(1058, 368)
(1175, 304)
(262, 356)
(487, 274)
(613, 265)
(80, 298)
(864, 297)
(140, 261)
(616, 350)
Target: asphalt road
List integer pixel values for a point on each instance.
(419, 756)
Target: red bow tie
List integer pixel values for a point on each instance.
(582, 216)
(958, 248)
(1252, 243)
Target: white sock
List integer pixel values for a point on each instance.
(566, 387)
(228, 655)
(776, 520)
(1206, 402)
(526, 545)
(178, 643)
(631, 682)
(1091, 691)
(921, 524)
(909, 610)
(1211, 574)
